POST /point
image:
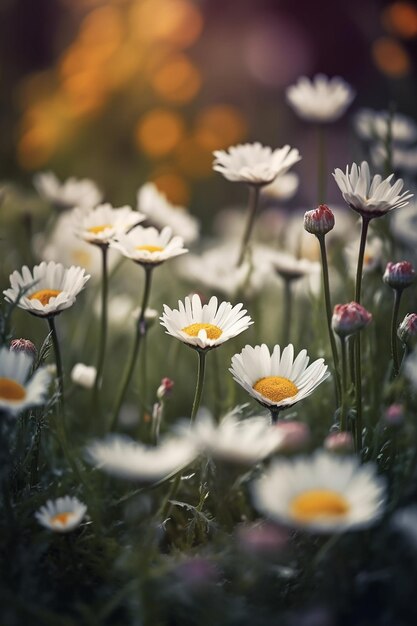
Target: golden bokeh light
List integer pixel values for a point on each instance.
(159, 131)
(177, 79)
(220, 126)
(194, 160)
(400, 18)
(36, 146)
(390, 57)
(173, 185)
(178, 22)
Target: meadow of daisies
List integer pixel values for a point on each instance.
(215, 430)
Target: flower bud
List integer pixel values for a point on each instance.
(262, 538)
(319, 221)
(296, 435)
(339, 442)
(150, 315)
(349, 318)
(23, 345)
(399, 275)
(165, 388)
(408, 328)
(394, 415)
(84, 375)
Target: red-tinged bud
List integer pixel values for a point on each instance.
(23, 345)
(339, 442)
(165, 388)
(319, 221)
(262, 538)
(349, 318)
(399, 275)
(407, 330)
(296, 435)
(394, 415)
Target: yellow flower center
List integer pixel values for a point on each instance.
(150, 248)
(98, 229)
(275, 388)
(44, 295)
(316, 504)
(11, 390)
(213, 332)
(61, 519)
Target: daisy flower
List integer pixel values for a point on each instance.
(160, 213)
(48, 289)
(101, 224)
(320, 100)
(254, 163)
(73, 192)
(61, 515)
(403, 225)
(205, 326)
(276, 380)
(123, 457)
(148, 246)
(324, 493)
(370, 197)
(373, 125)
(283, 188)
(19, 390)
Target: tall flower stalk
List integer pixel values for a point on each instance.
(254, 193)
(103, 330)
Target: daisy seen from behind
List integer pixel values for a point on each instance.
(73, 192)
(321, 100)
(324, 493)
(18, 389)
(61, 515)
(275, 380)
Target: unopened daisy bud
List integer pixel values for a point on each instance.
(164, 388)
(408, 328)
(296, 435)
(399, 275)
(23, 345)
(349, 318)
(319, 221)
(84, 375)
(394, 416)
(341, 442)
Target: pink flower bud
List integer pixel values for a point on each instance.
(399, 275)
(165, 388)
(394, 415)
(349, 318)
(262, 538)
(408, 328)
(339, 442)
(296, 435)
(319, 221)
(23, 345)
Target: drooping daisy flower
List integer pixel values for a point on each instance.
(73, 192)
(283, 187)
(125, 458)
(374, 125)
(254, 164)
(48, 289)
(290, 267)
(324, 493)
(83, 375)
(62, 515)
(19, 391)
(320, 100)
(277, 380)
(233, 440)
(205, 326)
(370, 197)
(101, 224)
(160, 213)
(148, 246)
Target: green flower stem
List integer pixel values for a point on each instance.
(394, 326)
(254, 191)
(275, 411)
(326, 289)
(321, 164)
(200, 382)
(287, 312)
(365, 224)
(103, 332)
(141, 329)
(344, 405)
(59, 371)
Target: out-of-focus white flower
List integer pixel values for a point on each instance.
(120, 309)
(103, 223)
(290, 267)
(61, 515)
(205, 326)
(373, 257)
(73, 192)
(320, 100)
(84, 375)
(373, 126)
(283, 187)
(254, 163)
(148, 246)
(402, 159)
(410, 368)
(405, 521)
(276, 380)
(49, 289)
(19, 390)
(323, 493)
(125, 458)
(370, 196)
(403, 225)
(160, 213)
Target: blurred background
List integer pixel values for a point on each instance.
(126, 91)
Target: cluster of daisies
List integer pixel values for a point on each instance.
(322, 492)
